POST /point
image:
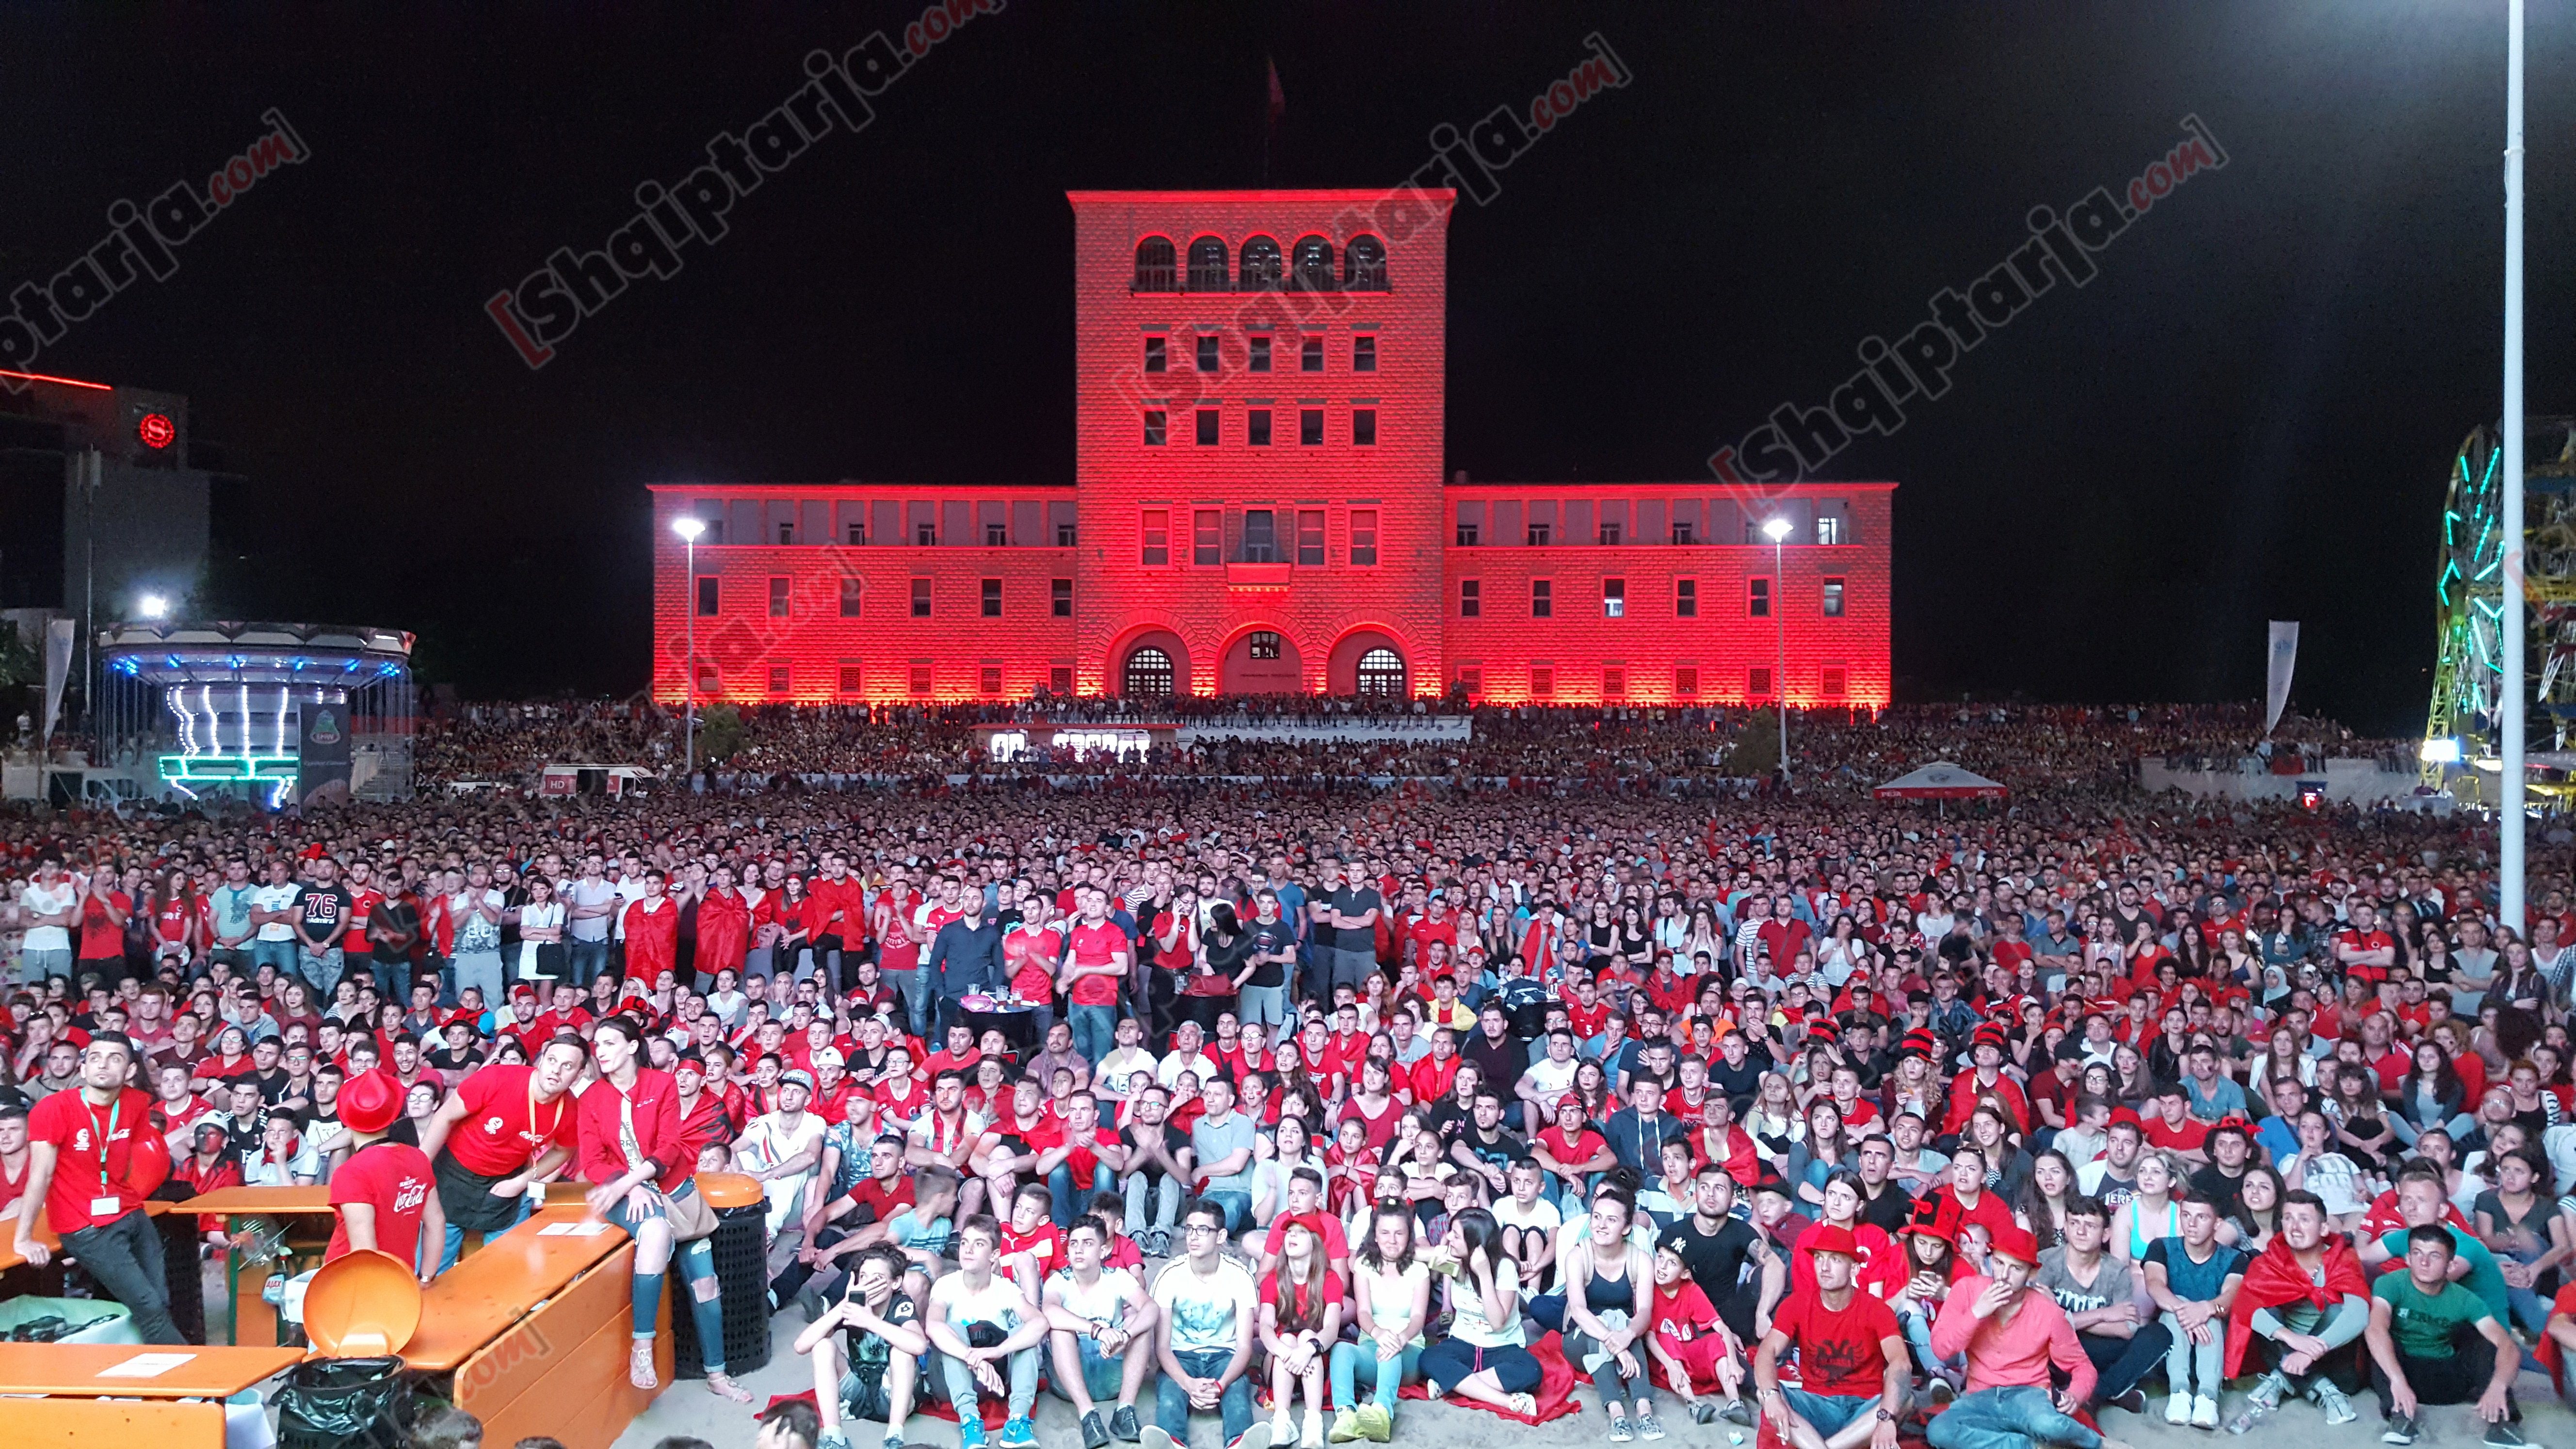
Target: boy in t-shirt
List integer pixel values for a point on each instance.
(2432, 1341)
(1693, 1347)
(885, 1348)
(2194, 1279)
(1851, 1356)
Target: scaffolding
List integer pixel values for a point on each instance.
(217, 708)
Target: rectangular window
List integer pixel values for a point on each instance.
(1207, 538)
(1683, 533)
(1757, 681)
(1468, 533)
(1256, 427)
(997, 535)
(1471, 681)
(1060, 598)
(1542, 599)
(1829, 528)
(992, 598)
(989, 679)
(1471, 598)
(1060, 679)
(1207, 427)
(1609, 532)
(1207, 352)
(1833, 598)
(921, 598)
(1153, 427)
(1310, 537)
(1541, 534)
(858, 534)
(1614, 681)
(1064, 535)
(1686, 681)
(1364, 353)
(920, 679)
(1310, 427)
(1832, 680)
(777, 598)
(1364, 538)
(1157, 355)
(1364, 427)
(1614, 598)
(1259, 342)
(1542, 681)
(778, 679)
(1310, 353)
(853, 593)
(1260, 536)
(1158, 538)
(707, 596)
(854, 679)
(1757, 598)
(787, 533)
(1685, 598)
(926, 535)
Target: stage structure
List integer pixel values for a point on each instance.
(2461, 727)
(314, 714)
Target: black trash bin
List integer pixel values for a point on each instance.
(741, 1248)
(185, 1271)
(345, 1403)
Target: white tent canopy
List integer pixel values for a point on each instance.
(1941, 780)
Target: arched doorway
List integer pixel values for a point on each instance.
(1381, 674)
(1148, 675)
(1262, 661)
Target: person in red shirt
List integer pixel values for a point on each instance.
(2169, 1124)
(94, 1154)
(1081, 1158)
(1097, 954)
(1031, 1245)
(704, 1121)
(503, 1133)
(652, 927)
(1964, 1199)
(381, 1196)
(1854, 1367)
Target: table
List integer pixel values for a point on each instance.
(45, 1234)
(75, 1413)
(1017, 1024)
(474, 1303)
(250, 1310)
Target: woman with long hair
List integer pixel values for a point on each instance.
(1774, 1123)
(1821, 1155)
(1842, 951)
(1592, 1088)
(2131, 1082)
(541, 933)
(1608, 1286)
(2316, 1167)
(2042, 1205)
(1373, 1104)
(2284, 1055)
(1391, 1289)
(1703, 937)
(1600, 934)
(179, 918)
(2535, 1107)
(2007, 1165)
(2258, 1213)
(1636, 939)
(2431, 1094)
(2363, 1132)
(2151, 1212)
(2192, 957)
(1483, 1357)
(2528, 1235)
(2236, 963)
(1301, 1320)
(1931, 1264)
(1913, 1084)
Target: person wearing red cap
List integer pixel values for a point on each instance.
(1985, 1079)
(2012, 1338)
(383, 1196)
(1852, 1364)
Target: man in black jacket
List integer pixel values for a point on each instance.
(966, 956)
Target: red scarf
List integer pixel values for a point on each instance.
(2276, 1280)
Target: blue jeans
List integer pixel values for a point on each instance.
(1353, 1362)
(1071, 1196)
(1234, 1409)
(697, 1269)
(280, 954)
(1019, 1374)
(1095, 1031)
(2015, 1418)
(589, 958)
(1102, 1376)
(914, 988)
(1829, 1414)
(1237, 1205)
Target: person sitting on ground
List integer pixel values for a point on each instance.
(886, 1344)
(2432, 1341)
(2012, 1338)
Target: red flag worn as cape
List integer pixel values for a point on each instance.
(2275, 1280)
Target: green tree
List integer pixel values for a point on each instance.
(720, 732)
(19, 663)
(1756, 751)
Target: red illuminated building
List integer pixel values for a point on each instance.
(1258, 506)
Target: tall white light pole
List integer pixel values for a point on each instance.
(1778, 529)
(688, 527)
(2509, 863)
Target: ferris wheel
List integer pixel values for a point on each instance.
(2474, 565)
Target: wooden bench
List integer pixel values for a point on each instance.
(80, 1408)
(254, 1318)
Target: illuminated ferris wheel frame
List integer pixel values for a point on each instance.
(2473, 567)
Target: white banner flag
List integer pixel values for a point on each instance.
(2280, 661)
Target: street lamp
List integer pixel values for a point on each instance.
(688, 526)
(1778, 531)
(152, 606)
(2514, 695)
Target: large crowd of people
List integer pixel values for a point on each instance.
(1263, 1103)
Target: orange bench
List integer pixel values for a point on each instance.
(77, 1407)
(254, 1318)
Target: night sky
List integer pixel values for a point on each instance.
(2247, 414)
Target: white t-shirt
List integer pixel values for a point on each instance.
(42, 902)
(1204, 1311)
(1172, 1066)
(1119, 1065)
(591, 893)
(276, 898)
(1540, 1214)
(1103, 1304)
(1552, 1079)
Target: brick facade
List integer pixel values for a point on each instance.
(1246, 562)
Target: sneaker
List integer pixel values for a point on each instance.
(1376, 1423)
(2178, 1408)
(1095, 1435)
(1256, 1437)
(2400, 1430)
(1283, 1429)
(2135, 1401)
(894, 1441)
(2339, 1410)
(2204, 1411)
(1122, 1424)
(832, 1439)
(2507, 1435)
(970, 1432)
(1019, 1433)
(1737, 1412)
(1941, 1392)
(1346, 1427)
(2267, 1393)
(1649, 1427)
(1157, 1437)
(1703, 1412)
(1313, 1438)
(1619, 1431)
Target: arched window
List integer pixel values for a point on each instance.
(1148, 675)
(1207, 264)
(1312, 267)
(1364, 265)
(1265, 645)
(1155, 270)
(1381, 674)
(1260, 265)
